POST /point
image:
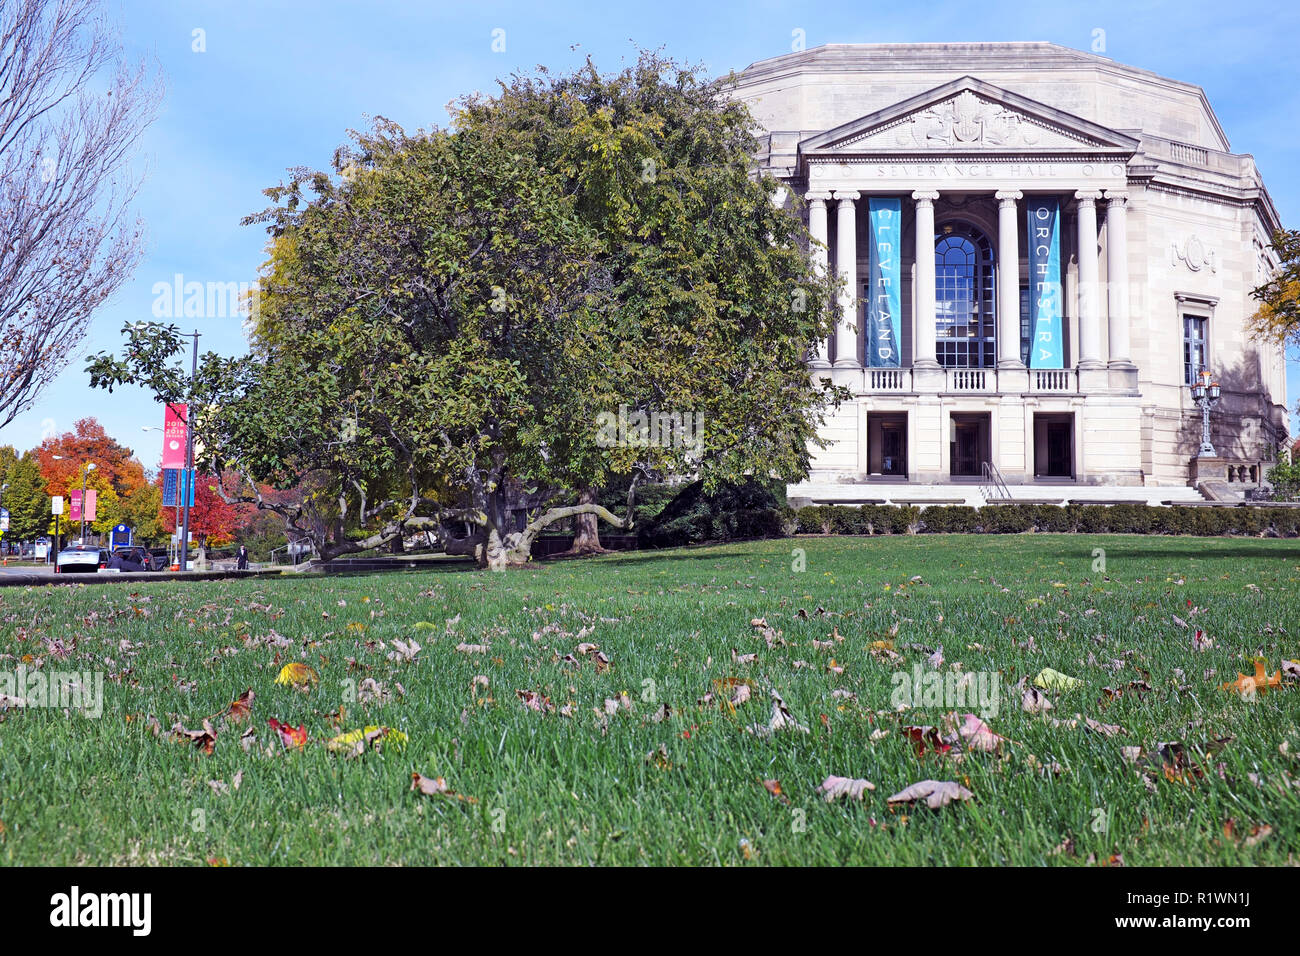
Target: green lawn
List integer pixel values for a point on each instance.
(547, 787)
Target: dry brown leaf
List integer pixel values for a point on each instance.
(835, 787)
(535, 701)
(935, 793)
(1034, 701)
(436, 787)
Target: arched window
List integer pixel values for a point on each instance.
(965, 318)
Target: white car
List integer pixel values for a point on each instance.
(81, 557)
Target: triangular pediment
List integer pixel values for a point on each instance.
(968, 115)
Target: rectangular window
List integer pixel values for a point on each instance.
(1194, 353)
(1026, 320)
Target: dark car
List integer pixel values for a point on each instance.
(160, 557)
(132, 558)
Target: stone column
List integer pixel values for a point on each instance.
(818, 230)
(1089, 281)
(1117, 276)
(846, 264)
(923, 304)
(1008, 280)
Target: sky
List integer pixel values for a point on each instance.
(277, 84)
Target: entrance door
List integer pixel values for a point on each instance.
(1059, 440)
(887, 445)
(893, 448)
(966, 449)
(1053, 445)
(968, 446)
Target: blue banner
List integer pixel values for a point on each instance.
(169, 487)
(178, 485)
(1047, 348)
(884, 307)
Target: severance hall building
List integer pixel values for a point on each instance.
(1042, 250)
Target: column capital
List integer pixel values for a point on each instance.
(849, 195)
(1116, 197)
(1087, 197)
(925, 196)
(819, 196)
(1008, 196)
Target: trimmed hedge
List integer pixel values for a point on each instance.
(1017, 519)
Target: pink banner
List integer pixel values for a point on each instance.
(174, 436)
(74, 512)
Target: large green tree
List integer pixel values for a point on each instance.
(25, 498)
(464, 323)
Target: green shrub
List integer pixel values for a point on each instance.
(950, 519)
(1052, 518)
(1014, 519)
(849, 519)
(815, 519)
(1006, 519)
(748, 509)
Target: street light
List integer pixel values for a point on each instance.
(85, 473)
(1205, 393)
(159, 428)
(3, 488)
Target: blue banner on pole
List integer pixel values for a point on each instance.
(884, 306)
(178, 486)
(1047, 347)
(170, 476)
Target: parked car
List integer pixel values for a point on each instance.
(159, 557)
(132, 558)
(81, 557)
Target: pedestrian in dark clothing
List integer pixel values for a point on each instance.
(242, 563)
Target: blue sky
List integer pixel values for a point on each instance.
(280, 83)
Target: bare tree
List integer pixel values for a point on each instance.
(71, 112)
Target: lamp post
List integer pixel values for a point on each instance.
(1205, 393)
(188, 474)
(156, 428)
(85, 473)
(3, 489)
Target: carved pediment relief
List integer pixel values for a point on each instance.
(968, 114)
(967, 121)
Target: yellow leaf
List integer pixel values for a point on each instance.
(297, 674)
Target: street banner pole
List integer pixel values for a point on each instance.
(189, 457)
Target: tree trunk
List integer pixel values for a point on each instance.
(586, 538)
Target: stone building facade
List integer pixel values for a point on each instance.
(1040, 249)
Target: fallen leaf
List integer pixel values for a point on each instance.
(782, 719)
(204, 739)
(241, 708)
(1261, 682)
(833, 788)
(935, 793)
(1034, 701)
(356, 742)
(1049, 679)
(927, 739)
(535, 701)
(436, 787)
(289, 736)
(298, 675)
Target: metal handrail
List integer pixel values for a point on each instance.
(997, 487)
